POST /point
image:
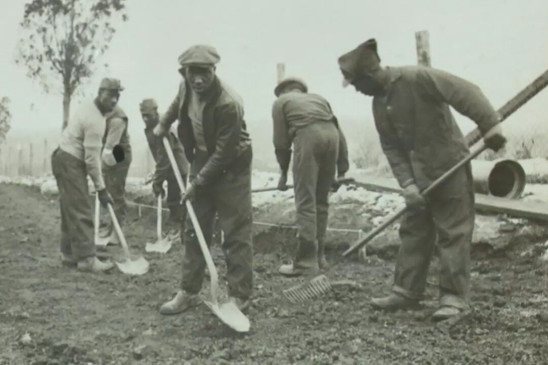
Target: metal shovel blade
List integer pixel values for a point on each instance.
(160, 246)
(230, 315)
(138, 266)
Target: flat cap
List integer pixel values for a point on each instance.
(362, 59)
(110, 83)
(287, 81)
(199, 55)
(148, 105)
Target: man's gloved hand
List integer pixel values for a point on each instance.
(160, 130)
(104, 197)
(494, 139)
(413, 197)
(158, 189)
(282, 182)
(190, 193)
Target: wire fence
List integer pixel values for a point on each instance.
(34, 159)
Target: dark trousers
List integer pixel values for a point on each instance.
(449, 219)
(230, 198)
(177, 211)
(76, 210)
(315, 155)
(115, 183)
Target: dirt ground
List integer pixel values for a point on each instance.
(54, 315)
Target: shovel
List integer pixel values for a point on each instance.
(136, 266)
(162, 245)
(228, 312)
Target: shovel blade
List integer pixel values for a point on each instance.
(230, 315)
(137, 266)
(161, 246)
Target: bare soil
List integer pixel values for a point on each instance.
(50, 314)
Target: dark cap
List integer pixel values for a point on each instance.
(148, 105)
(360, 60)
(289, 80)
(110, 83)
(199, 55)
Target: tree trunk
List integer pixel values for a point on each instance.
(66, 108)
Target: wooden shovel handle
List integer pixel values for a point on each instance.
(201, 239)
(119, 231)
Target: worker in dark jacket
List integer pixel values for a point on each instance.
(213, 133)
(306, 121)
(116, 138)
(79, 156)
(421, 140)
(163, 171)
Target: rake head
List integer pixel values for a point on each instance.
(314, 288)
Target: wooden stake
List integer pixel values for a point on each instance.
(31, 161)
(46, 157)
(280, 71)
(423, 48)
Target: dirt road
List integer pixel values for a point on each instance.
(54, 315)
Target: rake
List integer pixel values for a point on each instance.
(320, 285)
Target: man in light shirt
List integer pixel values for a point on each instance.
(79, 155)
(214, 136)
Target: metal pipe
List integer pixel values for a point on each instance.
(500, 178)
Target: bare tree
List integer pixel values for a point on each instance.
(5, 118)
(62, 41)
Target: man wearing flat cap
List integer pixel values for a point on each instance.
(420, 138)
(115, 168)
(79, 155)
(163, 171)
(215, 140)
(306, 122)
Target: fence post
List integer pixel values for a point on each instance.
(423, 48)
(280, 71)
(19, 160)
(46, 154)
(31, 160)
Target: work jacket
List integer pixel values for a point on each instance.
(225, 134)
(418, 133)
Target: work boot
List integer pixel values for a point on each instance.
(394, 302)
(242, 304)
(446, 312)
(180, 303)
(93, 264)
(306, 260)
(68, 260)
(322, 261)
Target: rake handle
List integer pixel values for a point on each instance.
(119, 231)
(201, 239)
(482, 147)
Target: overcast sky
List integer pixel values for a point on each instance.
(500, 45)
